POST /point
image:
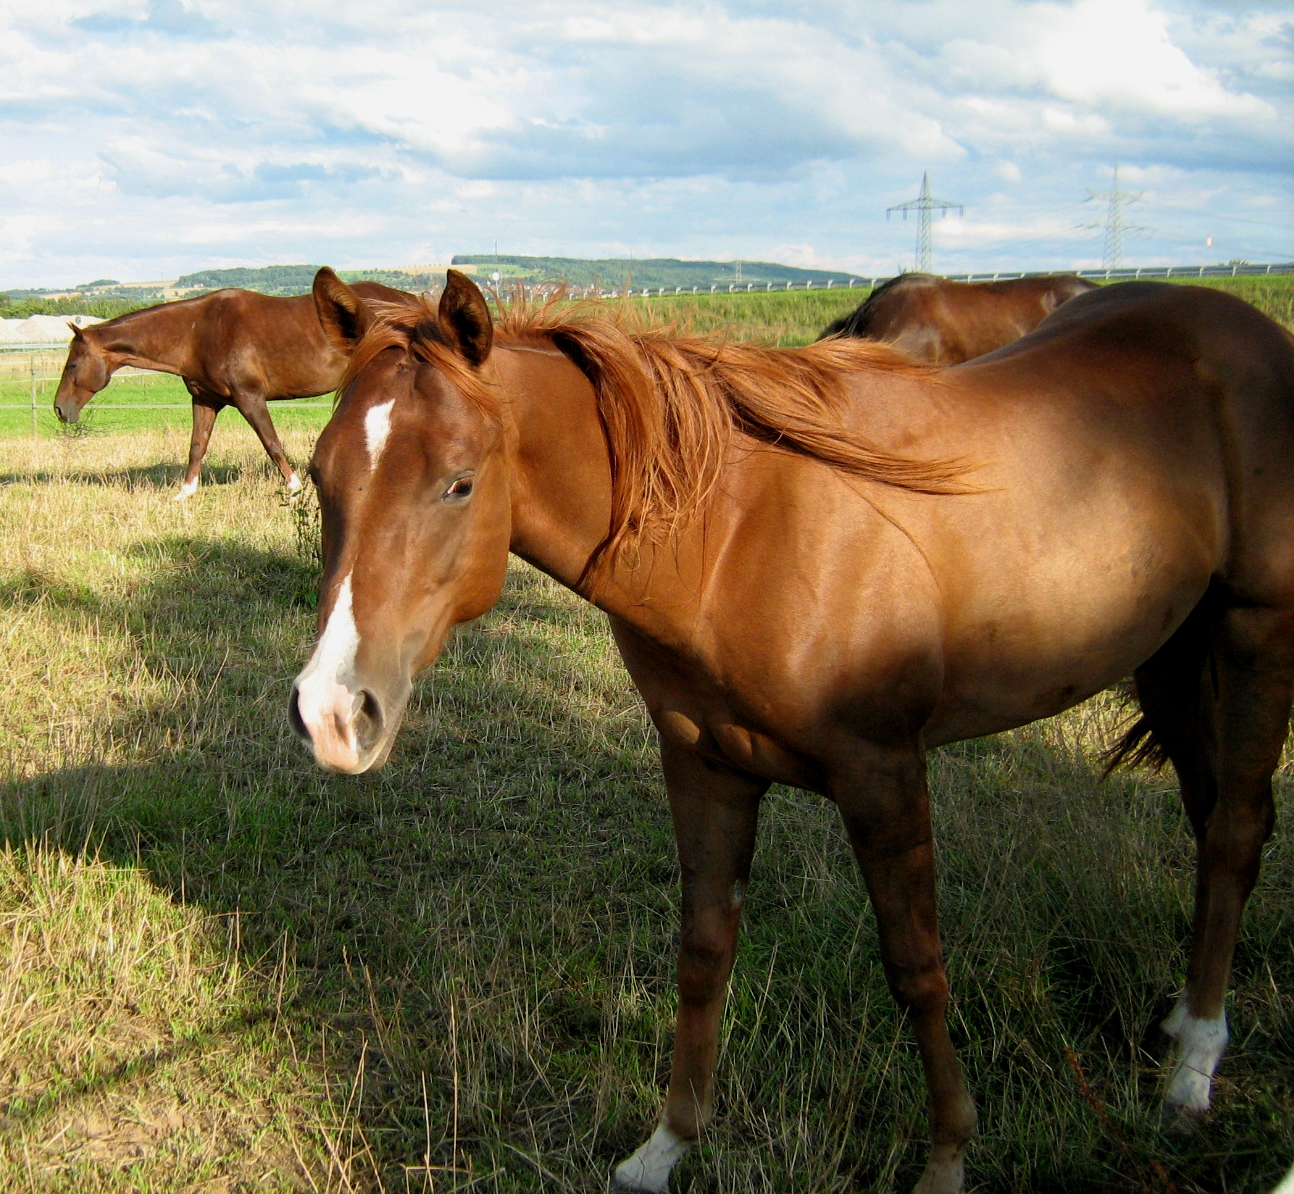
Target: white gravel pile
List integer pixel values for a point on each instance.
(42, 329)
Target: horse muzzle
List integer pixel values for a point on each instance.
(68, 409)
(350, 729)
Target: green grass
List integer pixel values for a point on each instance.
(221, 969)
(468, 956)
(784, 318)
(129, 404)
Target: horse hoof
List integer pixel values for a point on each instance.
(1179, 1120)
(293, 483)
(945, 1172)
(187, 490)
(647, 1171)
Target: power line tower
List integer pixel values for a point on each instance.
(923, 205)
(1116, 221)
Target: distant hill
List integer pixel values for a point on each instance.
(297, 279)
(269, 279)
(616, 273)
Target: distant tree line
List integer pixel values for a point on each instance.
(284, 280)
(101, 308)
(620, 273)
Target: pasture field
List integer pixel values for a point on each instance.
(222, 970)
(780, 317)
(133, 401)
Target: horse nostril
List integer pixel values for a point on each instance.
(369, 720)
(294, 716)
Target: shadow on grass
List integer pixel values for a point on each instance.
(485, 928)
(153, 476)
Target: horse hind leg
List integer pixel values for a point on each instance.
(1216, 699)
(256, 412)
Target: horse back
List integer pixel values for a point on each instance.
(247, 341)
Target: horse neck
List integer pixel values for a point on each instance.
(155, 338)
(560, 468)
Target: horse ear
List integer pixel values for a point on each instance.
(342, 312)
(464, 315)
(77, 334)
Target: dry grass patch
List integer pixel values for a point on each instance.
(457, 974)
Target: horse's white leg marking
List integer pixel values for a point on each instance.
(377, 426)
(1287, 1183)
(945, 1172)
(648, 1169)
(326, 705)
(187, 490)
(1199, 1048)
(294, 482)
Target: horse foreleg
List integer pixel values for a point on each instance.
(715, 813)
(204, 419)
(254, 410)
(886, 810)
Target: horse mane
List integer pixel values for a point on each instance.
(672, 405)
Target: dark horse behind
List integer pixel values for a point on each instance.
(819, 564)
(946, 322)
(232, 348)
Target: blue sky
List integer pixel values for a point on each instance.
(146, 138)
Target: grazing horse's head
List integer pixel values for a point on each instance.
(414, 492)
(86, 372)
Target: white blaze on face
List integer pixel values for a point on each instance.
(377, 426)
(326, 705)
(1200, 1045)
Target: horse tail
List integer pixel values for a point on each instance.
(1138, 746)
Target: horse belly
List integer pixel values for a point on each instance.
(1072, 605)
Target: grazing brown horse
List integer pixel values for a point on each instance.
(232, 348)
(946, 323)
(820, 563)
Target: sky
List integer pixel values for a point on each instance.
(142, 139)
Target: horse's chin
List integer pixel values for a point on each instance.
(357, 762)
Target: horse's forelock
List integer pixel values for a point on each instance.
(414, 328)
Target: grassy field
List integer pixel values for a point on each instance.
(222, 970)
(780, 317)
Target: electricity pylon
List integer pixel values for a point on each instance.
(923, 205)
(1116, 223)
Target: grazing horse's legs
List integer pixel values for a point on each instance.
(253, 409)
(886, 810)
(1217, 697)
(204, 419)
(715, 811)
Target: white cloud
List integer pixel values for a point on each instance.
(174, 131)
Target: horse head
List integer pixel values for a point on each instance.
(85, 373)
(414, 493)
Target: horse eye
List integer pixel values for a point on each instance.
(461, 488)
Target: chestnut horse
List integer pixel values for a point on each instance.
(820, 563)
(232, 348)
(946, 323)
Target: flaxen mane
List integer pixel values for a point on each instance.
(673, 405)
